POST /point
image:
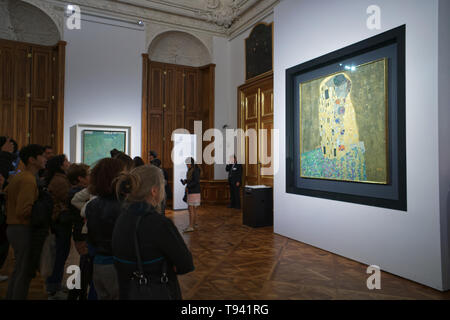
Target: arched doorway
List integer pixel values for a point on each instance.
(178, 82)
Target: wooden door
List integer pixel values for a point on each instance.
(22, 90)
(32, 93)
(265, 134)
(179, 96)
(169, 115)
(174, 97)
(15, 62)
(191, 104)
(41, 97)
(7, 90)
(155, 108)
(250, 106)
(256, 113)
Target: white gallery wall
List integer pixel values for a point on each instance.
(103, 81)
(444, 132)
(410, 244)
(222, 100)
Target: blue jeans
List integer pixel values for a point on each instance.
(62, 241)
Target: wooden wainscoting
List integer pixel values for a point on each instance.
(215, 192)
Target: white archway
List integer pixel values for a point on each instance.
(179, 47)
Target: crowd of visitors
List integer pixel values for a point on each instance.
(113, 212)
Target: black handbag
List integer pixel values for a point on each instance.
(143, 286)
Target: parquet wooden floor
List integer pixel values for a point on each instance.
(233, 261)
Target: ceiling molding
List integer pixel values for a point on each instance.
(252, 16)
(182, 14)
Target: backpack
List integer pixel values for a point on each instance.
(41, 217)
(41, 213)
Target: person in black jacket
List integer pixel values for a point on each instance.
(8, 155)
(157, 163)
(101, 215)
(159, 240)
(192, 183)
(78, 175)
(234, 170)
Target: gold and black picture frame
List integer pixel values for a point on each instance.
(345, 124)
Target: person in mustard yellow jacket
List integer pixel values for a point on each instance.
(21, 193)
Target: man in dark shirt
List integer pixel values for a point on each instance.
(152, 155)
(234, 170)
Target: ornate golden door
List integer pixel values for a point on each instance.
(255, 111)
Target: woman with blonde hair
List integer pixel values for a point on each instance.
(148, 250)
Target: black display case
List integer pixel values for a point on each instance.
(258, 207)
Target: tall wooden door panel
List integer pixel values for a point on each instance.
(191, 92)
(265, 153)
(191, 105)
(155, 128)
(169, 107)
(40, 128)
(265, 135)
(41, 97)
(169, 121)
(179, 95)
(22, 70)
(170, 91)
(156, 97)
(250, 99)
(156, 108)
(6, 91)
(251, 151)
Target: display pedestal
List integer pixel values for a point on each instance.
(258, 206)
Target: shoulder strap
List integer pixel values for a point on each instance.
(136, 246)
(139, 257)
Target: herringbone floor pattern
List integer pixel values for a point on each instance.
(233, 261)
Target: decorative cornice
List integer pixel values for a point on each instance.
(180, 14)
(252, 16)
